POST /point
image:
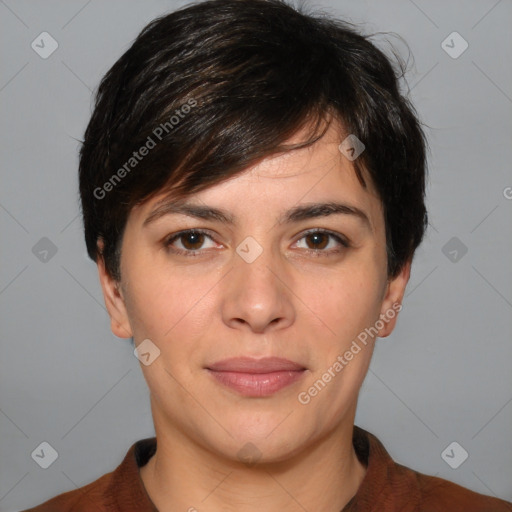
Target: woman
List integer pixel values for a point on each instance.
(252, 186)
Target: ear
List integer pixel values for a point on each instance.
(392, 303)
(114, 300)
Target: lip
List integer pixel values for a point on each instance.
(256, 377)
(252, 365)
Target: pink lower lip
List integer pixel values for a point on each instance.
(257, 384)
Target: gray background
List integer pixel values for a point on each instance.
(444, 375)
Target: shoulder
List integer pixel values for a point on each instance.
(392, 486)
(436, 494)
(89, 497)
(117, 491)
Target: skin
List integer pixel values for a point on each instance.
(290, 302)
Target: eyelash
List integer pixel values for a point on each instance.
(314, 252)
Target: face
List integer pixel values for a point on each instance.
(269, 278)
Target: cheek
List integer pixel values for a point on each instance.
(342, 350)
(163, 305)
(346, 303)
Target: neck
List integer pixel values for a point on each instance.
(184, 476)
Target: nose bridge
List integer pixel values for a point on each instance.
(256, 266)
(256, 294)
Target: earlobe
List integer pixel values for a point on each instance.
(392, 303)
(114, 302)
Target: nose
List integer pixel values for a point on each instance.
(257, 296)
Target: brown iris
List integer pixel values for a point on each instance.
(192, 241)
(316, 237)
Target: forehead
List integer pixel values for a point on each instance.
(313, 174)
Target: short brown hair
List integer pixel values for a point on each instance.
(214, 87)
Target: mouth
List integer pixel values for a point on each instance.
(256, 377)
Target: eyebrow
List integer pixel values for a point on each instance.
(295, 214)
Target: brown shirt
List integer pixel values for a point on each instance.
(386, 487)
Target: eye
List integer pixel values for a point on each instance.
(317, 241)
(191, 242)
